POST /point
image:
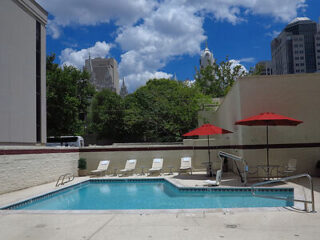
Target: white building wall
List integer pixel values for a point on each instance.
(43, 86)
(294, 95)
(18, 71)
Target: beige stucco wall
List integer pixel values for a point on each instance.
(26, 170)
(144, 158)
(18, 71)
(296, 96)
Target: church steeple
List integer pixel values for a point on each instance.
(90, 64)
(206, 57)
(124, 90)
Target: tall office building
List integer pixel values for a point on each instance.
(297, 48)
(104, 73)
(23, 72)
(317, 47)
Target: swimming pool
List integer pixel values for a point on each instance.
(103, 194)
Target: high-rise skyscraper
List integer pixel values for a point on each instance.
(297, 48)
(104, 73)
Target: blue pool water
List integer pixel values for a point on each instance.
(150, 194)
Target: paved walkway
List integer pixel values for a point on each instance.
(261, 223)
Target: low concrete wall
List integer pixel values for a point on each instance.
(26, 167)
(18, 170)
(197, 150)
(144, 155)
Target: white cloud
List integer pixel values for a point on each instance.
(153, 32)
(128, 12)
(86, 12)
(172, 30)
(273, 34)
(53, 29)
(133, 81)
(235, 63)
(235, 11)
(248, 60)
(71, 57)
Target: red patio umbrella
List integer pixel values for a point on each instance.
(206, 130)
(268, 119)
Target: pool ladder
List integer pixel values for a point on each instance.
(306, 202)
(64, 178)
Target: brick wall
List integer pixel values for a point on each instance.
(18, 171)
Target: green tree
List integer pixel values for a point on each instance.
(216, 79)
(162, 110)
(68, 98)
(106, 117)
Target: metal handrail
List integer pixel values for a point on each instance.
(283, 198)
(61, 179)
(223, 155)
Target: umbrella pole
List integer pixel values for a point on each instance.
(210, 174)
(208, 149)
(268, 152)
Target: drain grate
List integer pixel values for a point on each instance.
(231, 225)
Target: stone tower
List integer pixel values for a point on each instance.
(104, 73)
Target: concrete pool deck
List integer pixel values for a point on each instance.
(250, 223)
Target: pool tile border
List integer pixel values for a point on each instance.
(179, 188)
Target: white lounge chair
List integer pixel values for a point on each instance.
(216, 182)
(291, 167)
(130, 166)
(156, 166)
(186, 165)
(102, 167)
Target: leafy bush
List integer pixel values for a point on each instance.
(82, 163)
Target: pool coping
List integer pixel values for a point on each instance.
(6, 208)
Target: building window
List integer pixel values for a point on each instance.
(296, 58)
(301, 58)
(38, 82)
(301, 52)
(302, 70)
(296, 45)
(296, 52)
(297, 64)
(297, 70)
(301, 45)
(301, 64)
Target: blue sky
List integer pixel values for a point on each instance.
(163, 38)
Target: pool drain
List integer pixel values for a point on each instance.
(231, 226)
